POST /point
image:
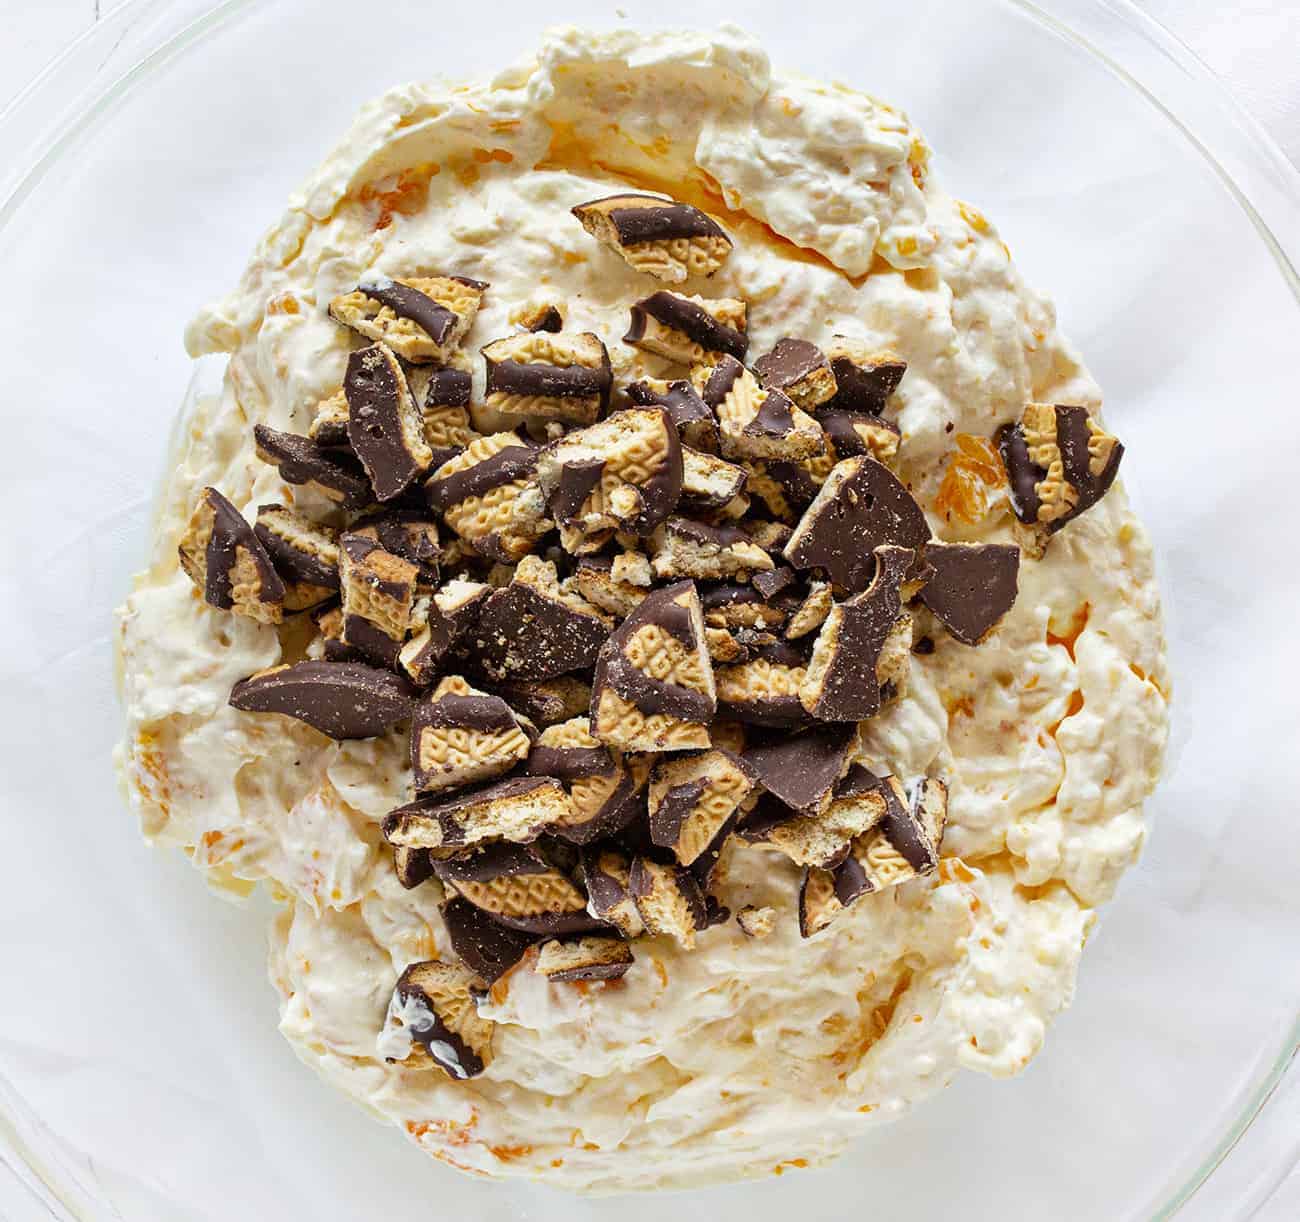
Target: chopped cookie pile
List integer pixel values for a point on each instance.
(644, 621)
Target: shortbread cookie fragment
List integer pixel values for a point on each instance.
(669, 901)
(585, 958)
(661, 237)
(822, 839)
(971, 586)
(812, 612)
(902, 846)
(606, 790)
(485, 946)
(756, 922)
(334, 474)
(864, 645)
(865, 376)
(607, 875)
(305, 554)
(800, 370)
(684, 547)
(755, 422)
(1060, 463)
(433, 1008)
(545, 377)
(488, 494)
(695, 421)
(406, 533)
(385, 427)
(534, 628)
(613, 586)
(329, 424)
(515, 885)
(412, 867)
(653, 688)
(379, 597)
(709, 482)
(624, 473)
(227, 561)
(764, 691)
(423, 319)
(862, 506)
(689, 330)
(519, 808)
(692, 797)
(851, 434)
(460, 736)
(341, 699)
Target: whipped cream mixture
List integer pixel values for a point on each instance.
(745, 1056)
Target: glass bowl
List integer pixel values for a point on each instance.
(141, 1075)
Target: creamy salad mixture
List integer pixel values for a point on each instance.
(745, 1055)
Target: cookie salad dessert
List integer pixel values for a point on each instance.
(654, 602)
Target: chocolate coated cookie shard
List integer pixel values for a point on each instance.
(539, 316)
(669, 901)
(684, 547)
(614, 587)
(460, 736)
(708, 482)
(812, 612)
(623, 473)
(305, 554)
(971, 586)
(818, 903)
(661, 237)
(341, 699)
(412, 867)
(606, 873)
(903, 845)
(227, 561)
(421, 318)
(755, 422)
(1060, 463)
(333, 474)
(545, 377)
(800, 370)
(861, 506)
(864, 645)
(865, 377)
(692, 797)
(653, 687)
(385, 428)
(515, 885)
(583, 958)
(485, 946)
(693, 418)
(379, 596)
(756, 922)
(489, 495)
(764, 691)
(433, 1007)
(329, 425)
(519, 808)
(606, 789)
(689, 329)
(407, 533)
(851, 434)
(535, 628)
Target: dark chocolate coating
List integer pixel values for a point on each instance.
(971, 586)
(448, 388)
(504, 467)
(488, 948)
(341, 699)
(435, 320)
(577, 479)
(524, 635)
(660, 221)
(774, 418)
(570, 763)
(850, 690)
(774, 582)
(696, 323)
(870, 509)
(302, 461)
(839, 427)
(865, 390)
(550, 319)
(676, 806)
(230, 532)
(681, 401)
(549, 381)
(802, 770)
(374, 385)
(720, 381)
(789, 362)
(435, 1039)
(292, 562)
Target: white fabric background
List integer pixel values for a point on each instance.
(1251, 44)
